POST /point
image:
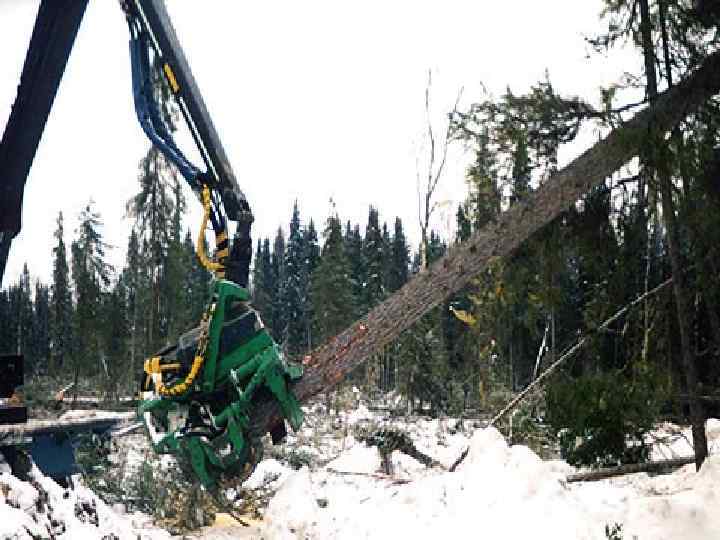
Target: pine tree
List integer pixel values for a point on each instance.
(61, 306)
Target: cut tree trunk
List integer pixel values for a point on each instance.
(650, 466)
(331, 362)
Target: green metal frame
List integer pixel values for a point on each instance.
(257, 363)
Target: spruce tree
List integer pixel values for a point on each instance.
(115, 334)
(61, 306)
(41, 327)
(399, 258)
(278, 319)
(6, 342)
(23, 308)
(312, 248)
(374, 290)
(312, 259)
(263, 280)
(292, 287)
(196, 283)
(483, 201)
(135, 293)
(176, 313)
(91, 275)
(153, 209)
(353, 246)
(331, 288)
(520, 170)
(386, 257)
(257, 286)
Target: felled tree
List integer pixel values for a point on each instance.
(331, 362)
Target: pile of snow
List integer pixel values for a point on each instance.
(268, 473)
(498, 491)
(40, 508)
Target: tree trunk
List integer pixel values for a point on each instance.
(331, 362)
(697, 416)
(632, 468)
(659, 161)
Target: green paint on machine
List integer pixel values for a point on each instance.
(210, 423)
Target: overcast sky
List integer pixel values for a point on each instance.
(313, 100)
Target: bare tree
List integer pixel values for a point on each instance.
(427, 181)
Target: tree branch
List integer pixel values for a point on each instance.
(331, 362)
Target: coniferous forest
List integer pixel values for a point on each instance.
(655, 219)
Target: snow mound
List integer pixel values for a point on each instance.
(358, 459)
(356, 416)
(40, 508)
(499, 491)
(270, 473)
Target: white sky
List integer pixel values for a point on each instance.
(312, 100)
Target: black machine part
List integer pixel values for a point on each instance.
(53, 36)
(12, 411)
(56, 26)
(13, 374)
(150, 28)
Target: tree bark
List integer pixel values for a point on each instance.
(684, 307)
(331, 362)
(609, 472)
(658, 160)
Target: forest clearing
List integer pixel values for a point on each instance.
(543, 341)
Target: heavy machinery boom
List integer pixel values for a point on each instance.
(199, 396)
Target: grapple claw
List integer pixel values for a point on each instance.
(200, 396)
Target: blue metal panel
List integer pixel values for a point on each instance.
(54, 455)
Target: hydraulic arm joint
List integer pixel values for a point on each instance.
(200, 396)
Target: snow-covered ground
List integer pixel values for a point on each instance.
(499, 491)
(39, 508)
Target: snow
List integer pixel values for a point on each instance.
(40, 508)
(268, 473)
(673, 441)
(82, 414)
(498, 491)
